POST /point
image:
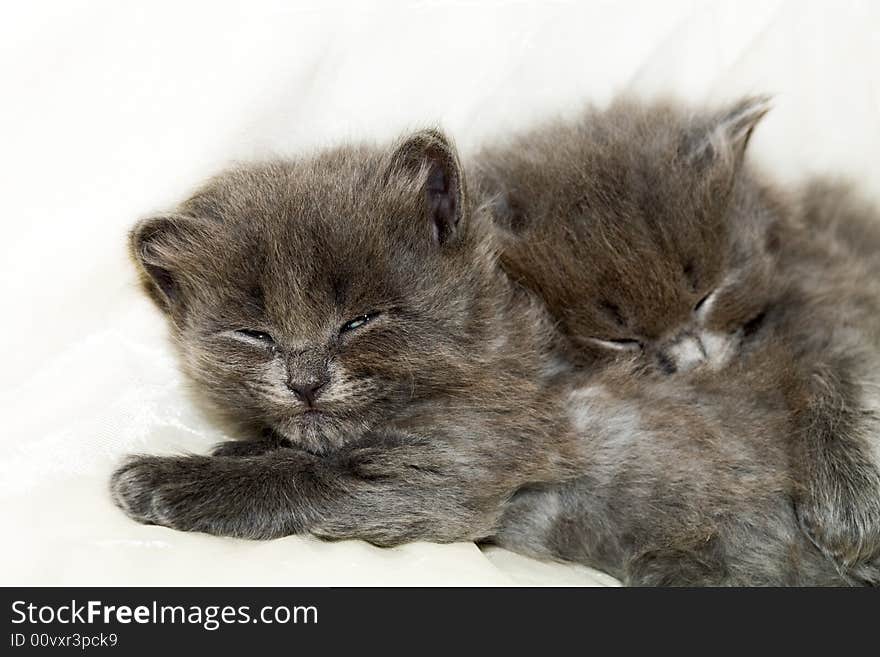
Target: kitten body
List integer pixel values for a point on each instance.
(348, 312)
(653, 244)
(683, 487)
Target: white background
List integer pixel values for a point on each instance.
(110, 111)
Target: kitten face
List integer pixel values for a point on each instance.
(686, 317)
(321, 297)
(704, 336)
(641, 232)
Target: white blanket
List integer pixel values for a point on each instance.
(111, 111)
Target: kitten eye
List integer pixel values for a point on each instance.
(751, 326)
(702, 301)
(618, 345)
(257, 335)
(358, 322)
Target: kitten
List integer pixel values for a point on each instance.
(652, 242)
(349, 312)
(348, 305)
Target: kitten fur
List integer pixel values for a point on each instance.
(348, 311)
(653, 243)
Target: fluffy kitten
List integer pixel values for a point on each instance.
(349, 312)
(349, 305)
(652, 242)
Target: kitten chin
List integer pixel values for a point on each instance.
(323, 432)
(317, 431)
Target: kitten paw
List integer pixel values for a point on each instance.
(241, 497)
(132, 486)
(135, 485)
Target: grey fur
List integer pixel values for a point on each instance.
(625, 221)
(449, 415)
(428, 423)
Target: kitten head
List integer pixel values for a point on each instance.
(643, 232)
(320, 296)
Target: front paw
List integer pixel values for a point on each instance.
(249, 497)
(141, 487)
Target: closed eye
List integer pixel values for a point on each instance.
(256, 336)
(617, 345)
(752, 326)
(358, 322)
(702, 302)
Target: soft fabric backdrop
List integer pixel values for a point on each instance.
(114, 110)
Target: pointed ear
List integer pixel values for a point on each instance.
(430, 157)
(725, 139)
(159, 246)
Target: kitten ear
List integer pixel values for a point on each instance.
(158, 245)
(431, 157)
(729, 131)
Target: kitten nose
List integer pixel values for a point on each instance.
(307, 391)
(686, 352)
(307, 373)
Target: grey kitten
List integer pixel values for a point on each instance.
(348, 311)
(653, 243)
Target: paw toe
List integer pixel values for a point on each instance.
(133, 487)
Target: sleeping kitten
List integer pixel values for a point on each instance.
(347, 305)
(348, 311)
(652, 243)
